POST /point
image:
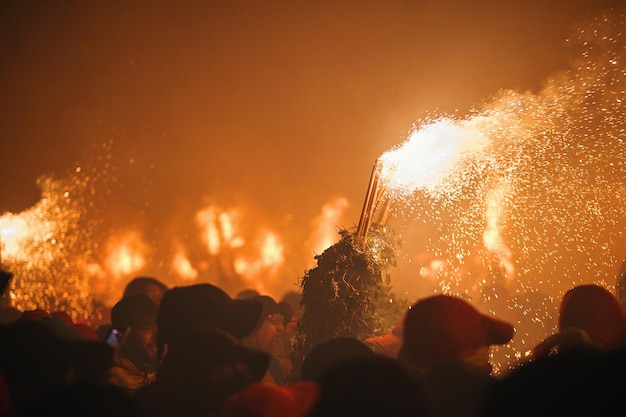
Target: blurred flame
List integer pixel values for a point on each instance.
(492, 237)
(270, 257)
(429, 155)
(272, 253)
(126, 254)
(182, 266)
(206, 219)
(324, 232)
(13, 230)
(218, 229)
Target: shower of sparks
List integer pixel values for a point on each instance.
(533, 183)
(40, 245)
(430, 154)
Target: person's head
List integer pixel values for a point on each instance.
(597, 312)
(205, 365)
(327, 355)
(294, 299)
(271, 324)
(149, 286)
(137, 315)
(444, 328)
(184, 308)
(369, 386)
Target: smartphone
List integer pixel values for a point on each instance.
(115, 337)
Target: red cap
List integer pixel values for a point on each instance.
(595, 310)
(266, 400)
(442, 327)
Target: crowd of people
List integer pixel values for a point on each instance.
(197, 351)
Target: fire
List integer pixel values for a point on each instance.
(272, 253)
(182, 266)
(13, 231)
(266, 262)
(324, 232)
(126, 254)
(218, 229)
(429, 155)
(206, 219)
(492, 237)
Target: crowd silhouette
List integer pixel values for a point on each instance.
(196, 351)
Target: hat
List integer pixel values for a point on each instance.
(270, 306)
(183, 308)
(389, 344)
(595, 310)
(200, 355)
(125, 311)
(268, 400)
(443, 327)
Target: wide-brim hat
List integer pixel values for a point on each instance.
(443, 327)
(183, 308)
(204, 353)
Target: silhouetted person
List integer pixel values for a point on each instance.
(368, 387)
(202, 368)
(135, 359)
(590, 317)
(149, 286)
(327, 355)
(267, 337)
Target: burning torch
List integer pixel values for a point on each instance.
(376, 205)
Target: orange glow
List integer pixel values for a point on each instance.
(182, 266)
(272, 252)
(126, 255)
(218, 229)
(429, 155)
(206, 219)
(325, 225)
(492, 237)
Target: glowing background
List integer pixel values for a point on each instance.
(226, 141)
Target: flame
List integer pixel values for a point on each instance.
(182, 266)
(206, 219)
(429, 155)
(272, 253)
(324, 232)
(492, 237)
(13, 232)
(268, 260)
(218, 229)
(126, 255)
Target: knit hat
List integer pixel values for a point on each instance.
(442, 327)
(267, 400)
(595, 310)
